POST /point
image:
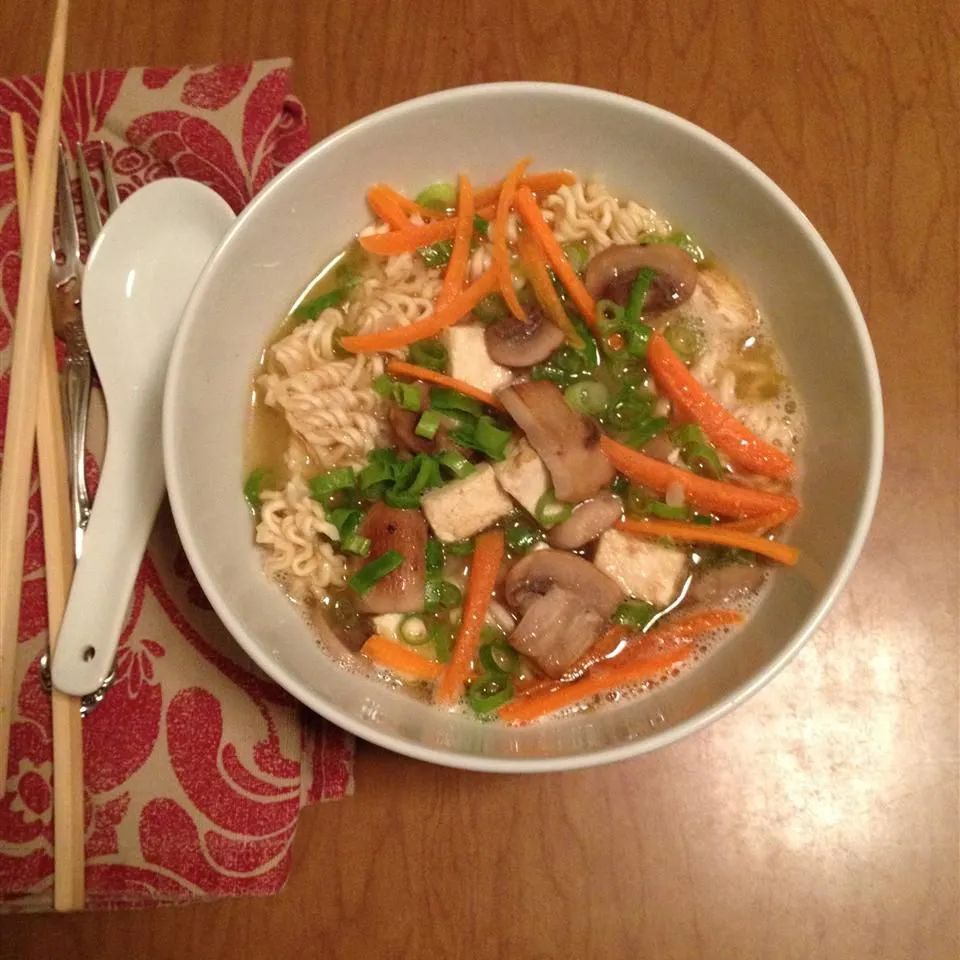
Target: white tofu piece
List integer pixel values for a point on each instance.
(465, 507)
(644, 568)
(469, 360)
(523, 475)
(387, 624)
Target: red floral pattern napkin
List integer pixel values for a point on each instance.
(196, 765)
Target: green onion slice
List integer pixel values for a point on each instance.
(550, 511)
(311, 309)
(413, 630)
(428, 425)
(499, 658)
(489, 692)
(587, 396)
(375, 571)
(666, 512)
(438, 196)
(634, 613)
(434, 558)
(253, 486)
(431, 354)
(326, 483)
(456, 463)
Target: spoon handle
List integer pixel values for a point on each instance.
(128, 495)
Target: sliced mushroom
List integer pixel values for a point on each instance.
(402, 590)
(557, 630)
(513, 343)
(728, 582)
(535, 574)
(404, 425)
(587, 521)
(611, 273)
(568, 442)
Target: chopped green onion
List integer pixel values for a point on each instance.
(431, 354)
(437, 254)
(438, 196)
(685, 340)
(434, 558)
(629, 410)
(441, 595)
(481, 226)
(375, 571)
(577, 256)
(608, 314)
(550, 511)
(491, 308)
(428, 425)
(488, 438)
(460, 548)
(638, 294)
(407, 396)
(521, 536)
(346, 520)
(696, 451)
(456, 463)
(665, 512)
(643, 434)
(489, 692)
(679, 239)
(446, 398)
(311, 309)
(253, 486)
(590, 352)
(620, 484)
(638, 499)
(441, 636)
(413, 630)
(703, 519)
(491, 634)
(427, 474)
(383, 385)
(326, 483)
(499, 658)
(356, 544)
(634, 613)
(401, 499)
(374, 474)
(587, 396)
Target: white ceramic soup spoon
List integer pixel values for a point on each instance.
(138, 278)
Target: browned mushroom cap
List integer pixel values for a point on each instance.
(587, 521)
(534, 575)
(402, 590)
(729, 582)
(612, 271)
(514, 343)
(557, 630)
(567, 441)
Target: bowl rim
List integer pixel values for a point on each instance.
(467, 761)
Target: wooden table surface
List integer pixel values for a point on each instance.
(821, 819)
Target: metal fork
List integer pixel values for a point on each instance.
(66, 279)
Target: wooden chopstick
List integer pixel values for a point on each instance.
(68, 832)
(24, 372)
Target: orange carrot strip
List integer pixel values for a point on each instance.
(642, 661)
(759, 525)
(403, 369)
(532, 258)
(528, 209)
(457, 267)
(536, 182)
(487, 555)
(710, 496)
(411, 207)
(387, 209)
(724, 430)
(400, 659)
(457, 308)
(701, 533)
(413, 238)
(501, 255)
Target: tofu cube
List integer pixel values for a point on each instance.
(470, 362)
(644, 568)
(465, 507)
(387, 624)
(523, 475)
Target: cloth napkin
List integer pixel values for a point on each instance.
(196, 766)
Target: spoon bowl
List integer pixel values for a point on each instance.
(138, 277)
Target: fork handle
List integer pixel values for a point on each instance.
(77, 376)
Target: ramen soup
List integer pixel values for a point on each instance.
(522, 449)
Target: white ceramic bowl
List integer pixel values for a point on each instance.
(313, 209)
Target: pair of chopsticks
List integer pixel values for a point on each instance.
(34, 410)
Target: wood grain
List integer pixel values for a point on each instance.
(821, 819)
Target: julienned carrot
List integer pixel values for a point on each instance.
(760, 524)
(414, 237)
(411, 207)
(710, 496)
(400, 659)
(535, 182)
(403, 369)
(528, 209)
(457, 308)
(532, 258)
(456, 271)
(385, 206)
(723, 429)
(499, 250)
(645, 655)
(701, 533)
(487, 555)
